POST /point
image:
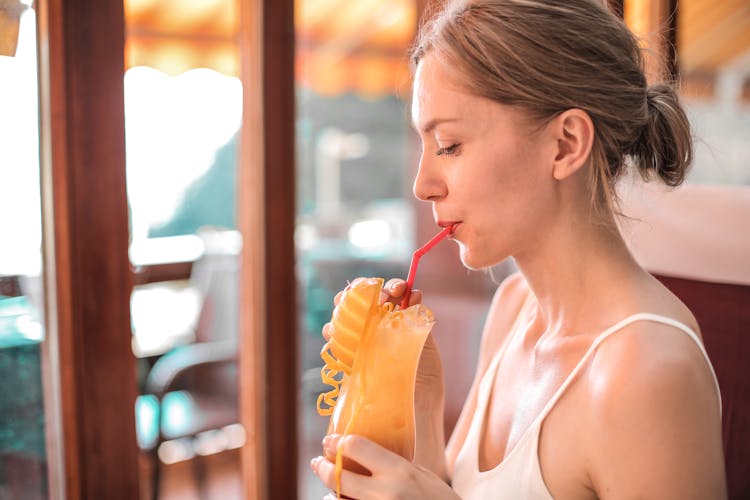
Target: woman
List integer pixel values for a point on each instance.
(592, 381)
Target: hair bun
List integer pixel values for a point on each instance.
(664, 146)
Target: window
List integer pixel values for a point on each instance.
(355, 215)
(23, 450)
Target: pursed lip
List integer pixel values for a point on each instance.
(446, 223)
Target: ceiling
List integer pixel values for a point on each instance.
(361, 46)
(712, 34)
(342, 45)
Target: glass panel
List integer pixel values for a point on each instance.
(23, 457)
(183, 105)
(714, 64)
(355, 213)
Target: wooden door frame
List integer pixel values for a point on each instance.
(89, 369)
(655, 23)
(265, 218)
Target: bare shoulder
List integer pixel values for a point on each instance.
(654, 414)
(653, 351)
(650, 355)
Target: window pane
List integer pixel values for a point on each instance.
(183, 106)
(23, 457)
(355, 215)
(714, 64)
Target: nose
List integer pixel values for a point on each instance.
(428, 184)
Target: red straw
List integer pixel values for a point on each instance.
(447, 231)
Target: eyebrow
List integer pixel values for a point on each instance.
(430, 125)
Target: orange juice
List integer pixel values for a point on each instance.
(377, 399)
(376, 393)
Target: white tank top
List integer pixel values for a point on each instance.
(519, 475)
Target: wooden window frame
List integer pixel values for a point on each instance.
(266, 214)
(655, 22)
(88, 276)
(89, 372)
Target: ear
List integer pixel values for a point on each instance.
(574, 133)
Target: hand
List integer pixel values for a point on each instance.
(429, 387)
(393, 292)
(392, 476)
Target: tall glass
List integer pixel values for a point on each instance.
(377, 399)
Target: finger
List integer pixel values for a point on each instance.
(330, 442)
(415, 297)
(349, 285)
(395, 287)
(326, 471)
(327, 331)
(370, 455)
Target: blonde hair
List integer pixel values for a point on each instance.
(547, 56)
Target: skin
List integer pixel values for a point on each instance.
(642, 418)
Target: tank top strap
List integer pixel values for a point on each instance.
(488, 378)
(489, 375)
(611, 331)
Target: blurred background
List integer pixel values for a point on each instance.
(355, 214)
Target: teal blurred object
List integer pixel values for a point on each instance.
(22, 440)
(181, 416)
(17, 326)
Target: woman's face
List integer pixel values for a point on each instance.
(483, 165)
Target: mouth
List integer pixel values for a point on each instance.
(452, 224)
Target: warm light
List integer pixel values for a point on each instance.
(370, 233)
(342, 44)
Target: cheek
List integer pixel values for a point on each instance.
(516, 180)
(506, 203)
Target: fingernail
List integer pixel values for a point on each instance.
(329, 442)
(314, 463)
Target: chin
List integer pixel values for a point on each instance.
(471, 260)
(476, 261)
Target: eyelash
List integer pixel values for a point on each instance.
(447, 150)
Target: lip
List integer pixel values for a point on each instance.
(447, 223)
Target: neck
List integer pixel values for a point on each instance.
(580, 273)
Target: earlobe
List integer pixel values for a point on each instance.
(575, 137)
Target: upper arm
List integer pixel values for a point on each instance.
(508, 298)
(655, 422)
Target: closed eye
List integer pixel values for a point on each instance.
(449, 150)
